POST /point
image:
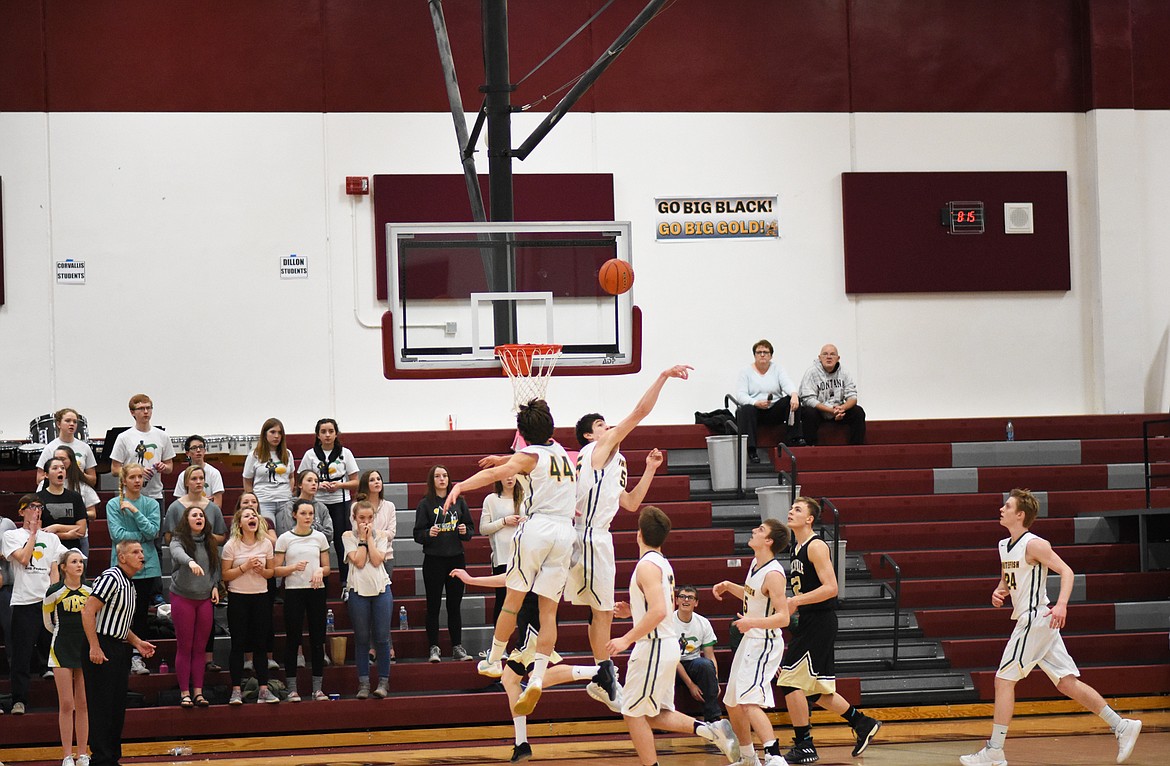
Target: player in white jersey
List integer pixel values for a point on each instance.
(765, 612)
(601, 491)
(543, 543)
(648, 702)
(1025, 561)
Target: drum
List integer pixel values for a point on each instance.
(180, 444)
(99, 448)
(27, 454)
(242, 444)
(9, 455)
(217, 444)
(43, 429)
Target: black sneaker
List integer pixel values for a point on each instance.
(753, 456)
(521, 752)
(802, 752)
(865, 731)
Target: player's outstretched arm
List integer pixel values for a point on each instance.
(610, 440)
(492, 581)
(521, 462)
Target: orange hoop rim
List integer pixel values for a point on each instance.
(516, 358)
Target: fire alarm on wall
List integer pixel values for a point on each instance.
(357, 185)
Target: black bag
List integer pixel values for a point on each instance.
(718, 421)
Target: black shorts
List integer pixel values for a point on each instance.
(808, 660)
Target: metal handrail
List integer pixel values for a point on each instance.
(885, 558)
(792, 461)
(1146, 455)
(827, 505)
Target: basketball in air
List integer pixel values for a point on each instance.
(616, 276)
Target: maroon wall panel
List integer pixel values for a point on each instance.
(185, 55)
(894, 242)
(988, 56)
(695, 56)
(22, 57)
(428, 198)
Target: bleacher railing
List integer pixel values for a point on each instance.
(882, 562)
(1161, 430)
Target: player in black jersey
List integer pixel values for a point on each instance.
(806, 672)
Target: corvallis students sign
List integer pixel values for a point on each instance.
(685, 218)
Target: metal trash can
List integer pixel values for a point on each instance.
(721, 458)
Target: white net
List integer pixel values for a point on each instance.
(529, 365)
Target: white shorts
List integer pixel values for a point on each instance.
(754, 666)
(1035, 642)
(592, 570)
(650, 676)
(540, 557)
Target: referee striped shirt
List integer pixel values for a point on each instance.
(117, 595)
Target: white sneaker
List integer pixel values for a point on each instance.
(249, 667)
(748, 759)
(273, 665)
(138, 667)
(595, 690)
(527, 700)
(300, 660)
(1127, 734)
(988, 756)
(67, 761)
(775, 760)
(490, 669)
(83, 760)
(725, 740)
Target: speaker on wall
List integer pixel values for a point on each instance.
(1017, 218)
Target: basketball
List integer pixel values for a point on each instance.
(616, 276)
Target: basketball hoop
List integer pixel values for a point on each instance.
(529, 365)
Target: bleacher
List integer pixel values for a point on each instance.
(924, 494)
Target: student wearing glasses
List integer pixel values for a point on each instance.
(765, 395)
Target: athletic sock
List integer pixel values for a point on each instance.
(852, 715)
(704, 730)
(772, 748)
(497, 651)
(998, 735)
(1110, 717)
(582, 672)
(802, 733)
(520, 724)
(539, 665)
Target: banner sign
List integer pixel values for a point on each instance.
(70, 272)
(686, 218)
(294, 266)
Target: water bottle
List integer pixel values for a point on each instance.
(180, 750)
(1011, 432)
(329, 621)
(163, 667)
(403, 623)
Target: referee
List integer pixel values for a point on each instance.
(106, 619)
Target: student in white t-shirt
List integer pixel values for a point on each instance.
(67, 421)
(146, 446)
(268, 471)
(370, 601)
(698, 670)
(338, 473)
(302, 559)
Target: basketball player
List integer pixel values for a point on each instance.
(520, 663)
(806, 672)
(765, 612)
(601, 490)
(1025, 561)
(543, 543)
(649, 700)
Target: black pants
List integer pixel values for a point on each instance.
(105, 693)
(300, 603)
(500, 593)
(28, 648)
(144, 590)
(811, 420)
(250, 625)
(436, 571)
(749, 417)
(339, 513)
(702, 672)
(6, 620)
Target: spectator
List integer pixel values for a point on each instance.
(194, 594)
(75, 481)
(6, 525)
(247, 566)
(441, 534)
(33, 554)
(499, 519)
(64, 508)
(146, 446)
(268, 471)
(247, 501)
(698, 670)
(338, 473)
(196, 450)
(766, 394)
(302, 559)
(134, 517)
(61, 611)
(307, 484)
(370, 601)
(370, 487)
(828, 392)
(67, 421)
